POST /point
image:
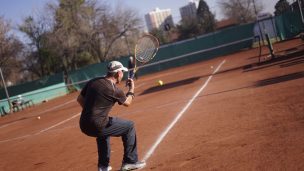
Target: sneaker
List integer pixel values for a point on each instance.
(104, 168)
(133, 166)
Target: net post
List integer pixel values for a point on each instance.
(270, 47)
(260, 47)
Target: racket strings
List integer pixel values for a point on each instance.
(146, 49)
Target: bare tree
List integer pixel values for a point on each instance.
(69, 19)
(10, 48)
(241, 10)
(92, 28)
(112, 26)
(74, 33)
(37, 30)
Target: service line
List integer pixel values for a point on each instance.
(41, 131)
(39, 113)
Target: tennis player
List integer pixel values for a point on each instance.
(97, 98)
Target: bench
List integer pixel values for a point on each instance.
(2, 111)
(21, 104)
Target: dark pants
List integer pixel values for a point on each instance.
(117, 128)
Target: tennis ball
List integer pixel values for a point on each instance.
(38, 117)
(160, 82)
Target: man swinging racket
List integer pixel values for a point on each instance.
(96, 99)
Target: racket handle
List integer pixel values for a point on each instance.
(132, 74)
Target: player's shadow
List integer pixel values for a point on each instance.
(170, 85)
(279, 79)
(190, 80)
(291, 63)
(293, 58)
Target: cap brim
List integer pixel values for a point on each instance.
(124, 69)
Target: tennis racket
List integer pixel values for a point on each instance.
(145, 50)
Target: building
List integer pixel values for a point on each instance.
(189, 11)
(158, 19)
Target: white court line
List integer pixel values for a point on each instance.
(178, 116)
(41, 131)
(60, 123)
(50, 109)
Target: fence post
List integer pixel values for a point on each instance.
(5, 89)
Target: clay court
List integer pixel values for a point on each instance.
(228, 113)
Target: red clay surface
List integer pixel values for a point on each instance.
(248, 117)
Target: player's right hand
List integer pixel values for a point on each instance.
(130, 83)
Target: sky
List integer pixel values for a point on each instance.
(16, 10)
(145, 6)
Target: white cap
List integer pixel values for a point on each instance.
(116, 66)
